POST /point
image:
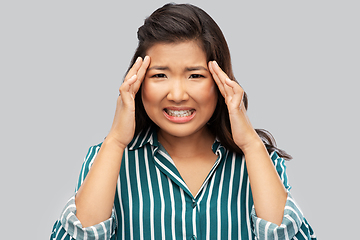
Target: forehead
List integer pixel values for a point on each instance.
(180, 52)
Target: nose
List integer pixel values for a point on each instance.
(178, 91)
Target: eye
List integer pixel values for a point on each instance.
(196, 76)
(160, 75)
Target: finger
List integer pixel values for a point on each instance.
(238, 92)
(228, 89)
(216, 79)
(219, 72)
(125, 88)
(141, 73)
(223, 77)
(134, 69)
(237, 89)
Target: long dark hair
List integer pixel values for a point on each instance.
(182, 22)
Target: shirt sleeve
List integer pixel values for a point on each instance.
(68, 225)
(294, 225)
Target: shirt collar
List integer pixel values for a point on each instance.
(143, 138)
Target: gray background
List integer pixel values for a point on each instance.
(62, 62)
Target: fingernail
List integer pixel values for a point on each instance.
(138, 59)
(146, 57)
(215, 63)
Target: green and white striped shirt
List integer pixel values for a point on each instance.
(152, 201)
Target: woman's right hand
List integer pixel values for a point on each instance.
(95, 198)
(123, 127)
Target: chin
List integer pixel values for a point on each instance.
(181, 131)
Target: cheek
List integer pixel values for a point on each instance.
(213, 98)
(147, 93)
(207, 95)
(151, 96)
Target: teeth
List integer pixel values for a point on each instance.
(180, 113)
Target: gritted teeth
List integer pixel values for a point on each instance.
(179, 113)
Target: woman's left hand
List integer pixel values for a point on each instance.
(243, 133)
(268, 191)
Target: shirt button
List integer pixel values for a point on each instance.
(193, 204)
(193, 237)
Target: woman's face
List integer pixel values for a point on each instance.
(178, 92)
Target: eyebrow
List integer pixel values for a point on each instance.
(158, 68)
(188, 69)
(196, 68)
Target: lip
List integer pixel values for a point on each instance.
(179, 119)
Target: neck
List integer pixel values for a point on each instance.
(189, 146)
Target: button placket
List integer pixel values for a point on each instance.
(193, 204)
(193, 237)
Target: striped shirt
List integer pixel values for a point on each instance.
(152, 200)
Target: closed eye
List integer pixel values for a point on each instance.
(196, 76)
(160, 75)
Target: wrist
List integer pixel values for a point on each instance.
(254, 147)
(114, 143)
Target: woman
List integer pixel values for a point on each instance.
(181, 160)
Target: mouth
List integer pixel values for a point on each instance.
(179, 116)
(179, 113)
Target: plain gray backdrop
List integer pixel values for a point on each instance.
(62, 62)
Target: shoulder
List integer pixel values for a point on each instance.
(92, 151)
(280, 166)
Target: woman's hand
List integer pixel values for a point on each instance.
(267, 189)
(123, 127)
(243, 133)
(95, 198)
